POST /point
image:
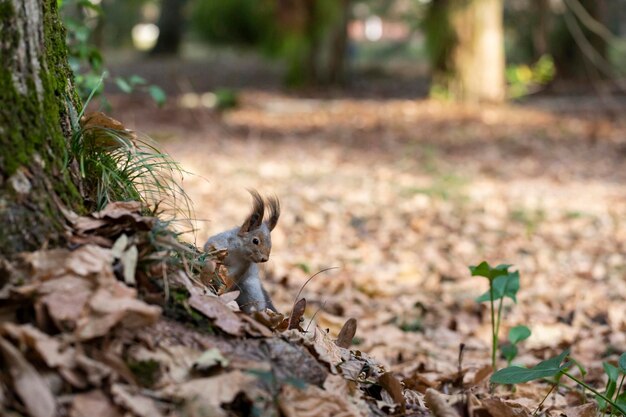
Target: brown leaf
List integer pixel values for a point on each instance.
(115, 304)
(46, 264)
(48, 348)
(215, 309)
(99, 119)
(438, 405)
(65, 299)
(346, 334)
(85, 224)
(391, 384)
(254, 328)
(119, 209)
(315, 402)
(210, 393)
(137, 404)
(89, 259)
(93, 403)
(28, 384)
(482, 374)
(327, 350)
(584, 410)
(500, 408)
(296, 314)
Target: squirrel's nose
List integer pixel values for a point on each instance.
(263, 259)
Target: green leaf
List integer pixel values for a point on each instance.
(157, 94)
(622, 363)
(509, 352)
(517, 375)
(123, 85)
(503, 286)
(519, 333)
(485, 270)
(611, 371)
(136, 80)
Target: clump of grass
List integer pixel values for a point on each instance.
(116, 164)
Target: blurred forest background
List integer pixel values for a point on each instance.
(406, 140)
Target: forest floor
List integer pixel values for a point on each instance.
(401, 196)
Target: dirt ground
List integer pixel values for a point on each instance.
(401, 195)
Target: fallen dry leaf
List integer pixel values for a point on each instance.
(391, 384)
(314, 402)
(501, 408)
(296, 314)
(584, 410)
(438, 405)
(47, 347)
(28, 383)
(91, 404)
(65, 299)
(139, 405)
(346, 334)
(215, 309)
(211, 393)
(89, 259)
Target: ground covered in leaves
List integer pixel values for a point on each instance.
(399, 197)
(402, 195)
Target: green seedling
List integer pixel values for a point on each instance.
(502, 284)
(516, 335)
(555, 368)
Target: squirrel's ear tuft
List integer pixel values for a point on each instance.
(255, 219)
(274, 207)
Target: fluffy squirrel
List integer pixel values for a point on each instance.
(247, 246)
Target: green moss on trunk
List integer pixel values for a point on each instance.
(36, 93)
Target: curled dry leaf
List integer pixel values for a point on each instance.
(296, 314)
(48, 348)
(46, 264)
(255, 328)
(215, 309)
(93, 403)
(98, 119)
(585, 410)
(482, 374)
(65, 299)
(315, 402)
(139, 405)
(89, 259)
(438, 405)
(391, 384)
(346, 334)
(328, 351)
(28, 383)
(212, 392)
(129, 261)
(497, 407)
(115, 304)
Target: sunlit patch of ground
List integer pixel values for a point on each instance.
(402, 196)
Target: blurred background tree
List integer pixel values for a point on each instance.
(471, 50)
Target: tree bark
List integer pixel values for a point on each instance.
(469, 61)
(171, 26)
(37, 96)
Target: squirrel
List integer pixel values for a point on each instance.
(247, 246)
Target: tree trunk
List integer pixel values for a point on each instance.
(171, 25)
(469, 60)
(339, 43)
(37, 96)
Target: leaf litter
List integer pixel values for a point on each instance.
(403, 238)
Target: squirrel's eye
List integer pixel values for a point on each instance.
(255, 241)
